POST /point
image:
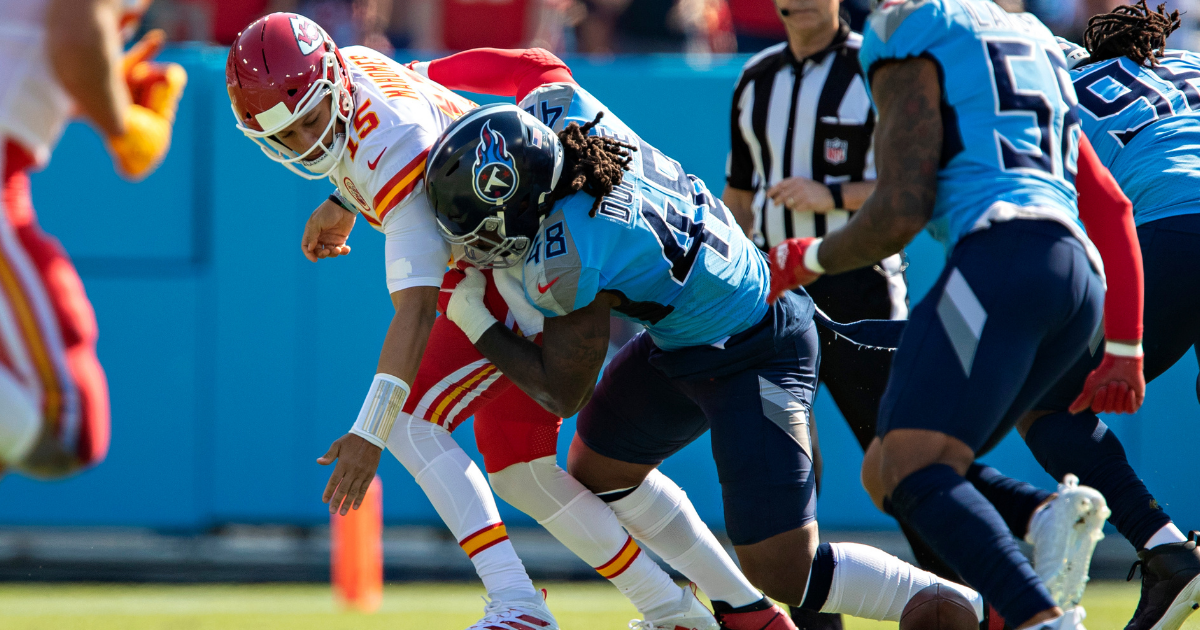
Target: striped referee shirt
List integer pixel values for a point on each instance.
(806, 118)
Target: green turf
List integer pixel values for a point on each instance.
(586, 606)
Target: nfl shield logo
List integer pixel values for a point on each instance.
(835, 150)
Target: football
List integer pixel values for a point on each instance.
(938, 607)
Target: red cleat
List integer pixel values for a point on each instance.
(772, 618)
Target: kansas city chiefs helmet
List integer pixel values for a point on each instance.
(279, 68)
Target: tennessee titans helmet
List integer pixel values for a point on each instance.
(489, 178)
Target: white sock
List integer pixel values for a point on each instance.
(460, 494)
(586, 526)
(1168, 534)
(20, 420)
(659, 514)
(871, 584)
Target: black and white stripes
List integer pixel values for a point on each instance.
(807, 118)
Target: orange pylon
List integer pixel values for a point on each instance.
(356, 559)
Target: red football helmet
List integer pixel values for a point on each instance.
(278, 69)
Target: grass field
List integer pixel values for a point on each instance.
(579, 606)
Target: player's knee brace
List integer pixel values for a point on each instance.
(454, 484)
(417, 443)
(539, 488)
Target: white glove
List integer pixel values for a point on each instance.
(466, 306)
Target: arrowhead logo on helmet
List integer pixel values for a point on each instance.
(495, 171)
(308, 35)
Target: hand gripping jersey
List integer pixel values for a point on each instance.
(1144, 122)
(1011, 132)
(398, 114)
(660, 241)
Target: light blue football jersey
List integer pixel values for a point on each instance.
(660, 241)
(1144, 122)
(1011, 132)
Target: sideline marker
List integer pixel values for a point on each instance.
(356, 553)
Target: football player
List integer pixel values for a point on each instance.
(63, 58)
(601, 222)
(367, 123)
(1139, 104)
(991, 171)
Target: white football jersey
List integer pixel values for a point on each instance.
(34, 107)
(398, 115)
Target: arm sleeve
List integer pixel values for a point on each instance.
(739, 168)
(1107, 216)
(501, 72)
(414, 252)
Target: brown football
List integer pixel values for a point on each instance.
(938, 607)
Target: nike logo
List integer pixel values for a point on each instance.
(543, 289)
(372, 164)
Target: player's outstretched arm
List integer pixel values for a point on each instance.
(84, 42)
(561, 373)
(1117, 385)
(497, 71)
(908, 151)
(356, 457)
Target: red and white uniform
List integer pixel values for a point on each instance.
(47, 326)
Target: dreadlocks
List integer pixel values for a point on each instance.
(593, 164)
(1132, 31)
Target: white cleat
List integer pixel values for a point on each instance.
(690, 615)
(1064, 535)
(1072, 619)
(518, 614)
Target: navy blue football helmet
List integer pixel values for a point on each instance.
(489, 178)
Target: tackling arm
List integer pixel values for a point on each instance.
(561, 373)
(495, 71)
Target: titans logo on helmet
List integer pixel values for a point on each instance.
(494, 170)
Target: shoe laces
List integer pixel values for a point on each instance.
(496, 611)
(642, 624)
(1132, 570)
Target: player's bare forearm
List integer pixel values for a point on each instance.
(908, 149)
(561, 373)
(741, 204)
(855, 194)
(408, 334)
(84, 42)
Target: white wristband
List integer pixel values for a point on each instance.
(810, 257)
(421, 68)
(384, 401)
(1118, 349)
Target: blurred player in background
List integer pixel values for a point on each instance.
(64, 58)
(367, 123)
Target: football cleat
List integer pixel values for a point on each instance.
(516, 615)
(1170, 585)
(1064, 535)
(1072, 619)
(766, 617)
(689, 615)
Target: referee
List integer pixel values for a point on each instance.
(801, 162)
